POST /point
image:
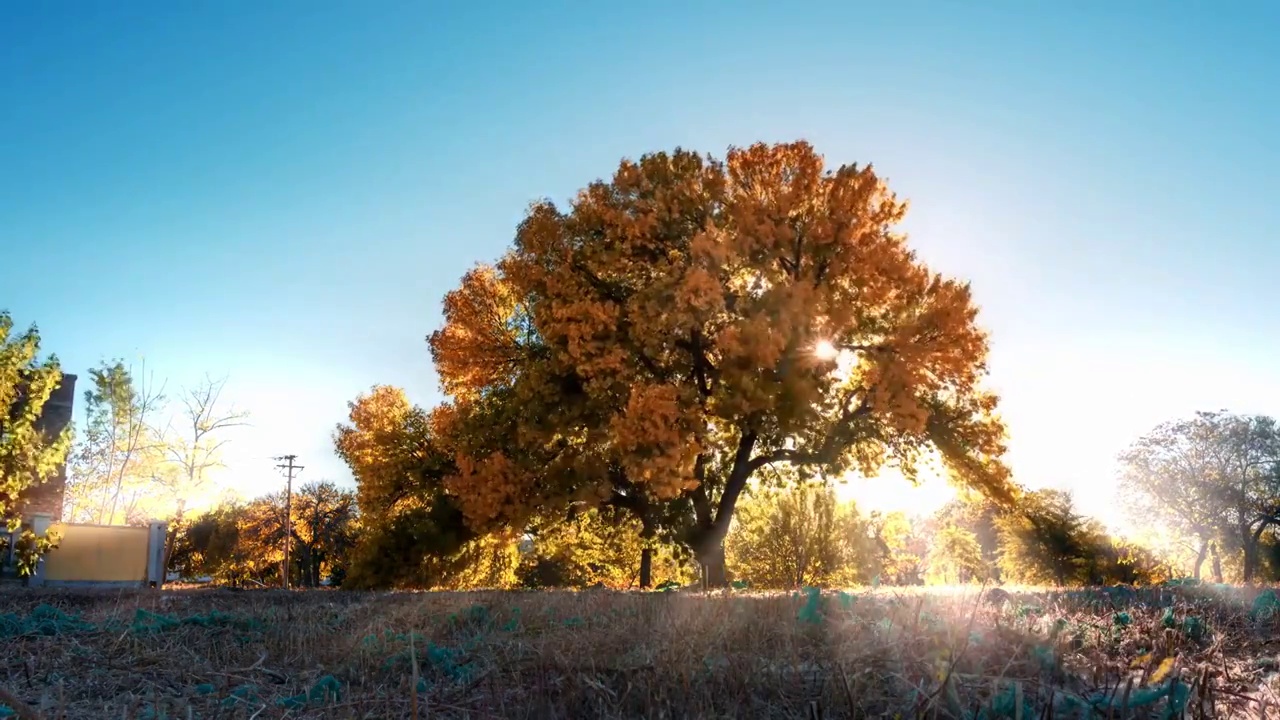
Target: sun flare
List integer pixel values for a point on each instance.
(825, 350)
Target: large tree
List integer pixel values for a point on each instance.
(692, 321)
(1248, 460)
(29, 456)
(1168, 477)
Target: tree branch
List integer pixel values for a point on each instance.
(833, 444)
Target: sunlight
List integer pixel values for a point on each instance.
(890, 491)
(846, 360)
(825, 350)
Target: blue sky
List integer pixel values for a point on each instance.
(281, 192)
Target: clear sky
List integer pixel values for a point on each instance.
(282, 191)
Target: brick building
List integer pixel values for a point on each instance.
(46, 499)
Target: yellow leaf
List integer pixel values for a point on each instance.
(1162, 670)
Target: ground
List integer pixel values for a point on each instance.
(1200, 651)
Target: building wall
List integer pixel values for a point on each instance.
(47, 499)
(98, 554)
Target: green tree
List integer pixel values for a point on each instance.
(210, 544)
(797, 536)
(324, 532)
(1045, 541)
(29, 456)
(1115, 560)
(902, 549)
(595, 546)
(978, 515)
(119, 454)
(955, 557)
(406, 553)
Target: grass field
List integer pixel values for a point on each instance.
(1106, 653)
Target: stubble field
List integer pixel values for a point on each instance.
(1192, 652)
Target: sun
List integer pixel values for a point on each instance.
(825, 350)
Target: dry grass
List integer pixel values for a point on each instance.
(602, 654)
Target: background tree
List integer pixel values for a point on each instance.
(260, 539)
(1214, 477)
(1115, 560)
(118, 453)
(976, 514)
(955, 556)
(324, 532)
(209, 545)
(594, 547)
(29, 457)
(902, 549)
(1045, 542)
(193, 444)
(693, 321)
(413, 533)
(800, 536)
(237, 542)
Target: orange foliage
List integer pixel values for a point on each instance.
(387, 447)
(655, 441)
(672, 314)
(481, 346)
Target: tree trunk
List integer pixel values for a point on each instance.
(1217, 563)
(1204, 550)
(172, 538)
(648, 531)
(169, 541)
(646, 568)
(1251, 541)
(714, 573)
(711, 529)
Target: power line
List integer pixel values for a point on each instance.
(289, 469)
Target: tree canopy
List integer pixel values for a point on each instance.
(691, 321)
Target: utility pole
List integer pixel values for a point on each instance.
(289, 469)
